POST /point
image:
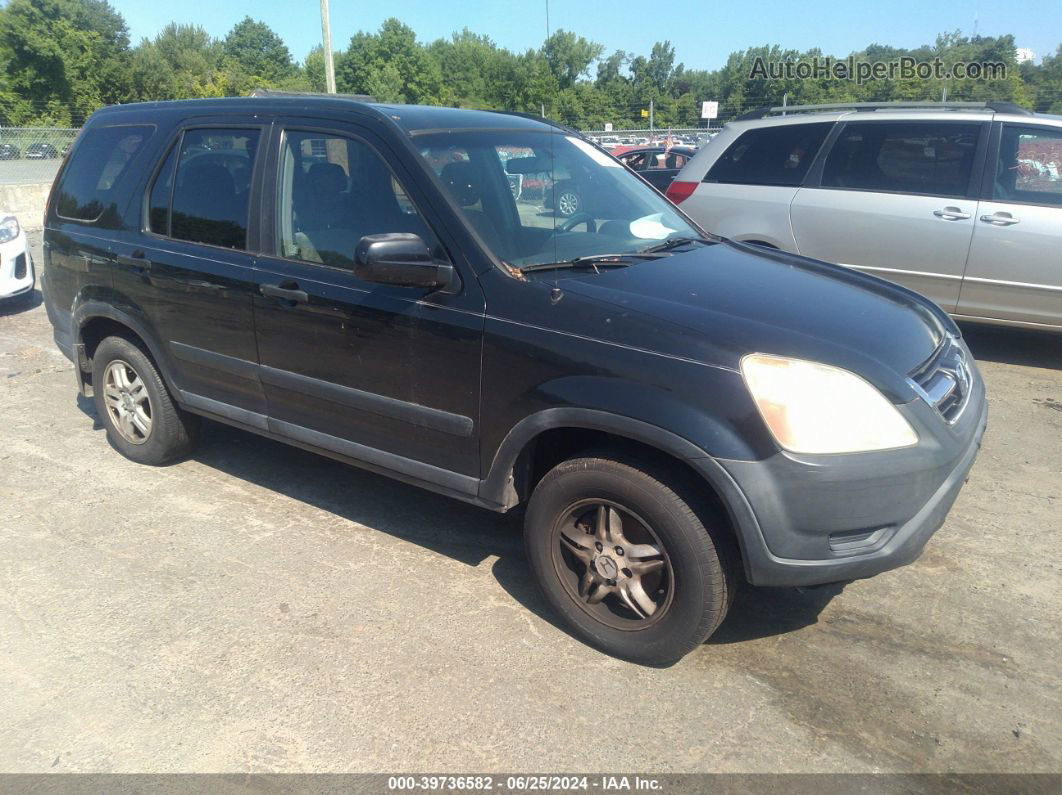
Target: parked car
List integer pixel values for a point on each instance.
(657, 164)
(960, 202)
(16, 265)
(41, 151)
(676, 411)
(9, 152)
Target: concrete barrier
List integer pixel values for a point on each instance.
(26, 202)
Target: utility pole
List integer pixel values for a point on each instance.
(326, 36)
(650, 115)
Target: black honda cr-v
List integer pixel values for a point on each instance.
(676, 411)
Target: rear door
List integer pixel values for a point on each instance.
(1015, 268)
(190, 267)
(896, 199)
(663, 167)
(385, 374)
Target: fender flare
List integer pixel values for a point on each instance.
(87, 310)
(498, 487)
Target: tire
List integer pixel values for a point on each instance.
(692, 589)
(171, 433)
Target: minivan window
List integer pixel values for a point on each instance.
(335, 190)
(213, 186)
(86, 190)
(1029, 168)
(777, 155)
(523, 221)
(932, 158)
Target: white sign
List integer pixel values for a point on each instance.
(608, 126)
(709, 110)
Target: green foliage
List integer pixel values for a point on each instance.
(64, 58)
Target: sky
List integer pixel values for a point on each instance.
(703, 33)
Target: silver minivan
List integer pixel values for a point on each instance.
(959, 201)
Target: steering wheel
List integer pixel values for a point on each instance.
(578, 218)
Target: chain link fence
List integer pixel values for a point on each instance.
(31, 155)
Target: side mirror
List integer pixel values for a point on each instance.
(400, 258)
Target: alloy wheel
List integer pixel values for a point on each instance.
(613, 565)
(126, 397)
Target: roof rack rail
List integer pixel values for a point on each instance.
(998, 107)
(274, 92)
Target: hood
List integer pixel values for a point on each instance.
(717, 303)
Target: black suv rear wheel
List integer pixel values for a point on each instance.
(633, 569)
(142, 421)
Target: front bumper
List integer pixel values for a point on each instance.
(17, 276)
(836, 518)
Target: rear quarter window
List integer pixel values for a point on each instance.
(88, 189)
(779, 155)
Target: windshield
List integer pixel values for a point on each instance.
(540, 197)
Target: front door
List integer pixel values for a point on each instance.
(385, 374)
(1015, 269)
(896, 199)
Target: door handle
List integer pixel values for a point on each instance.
(951, 214)
(292, 293)
(1000, 219)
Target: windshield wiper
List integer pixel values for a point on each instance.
(673, 242)
(595, 261)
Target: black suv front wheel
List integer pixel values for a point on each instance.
(634, 570)
(142, 421)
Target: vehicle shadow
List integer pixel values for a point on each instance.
(24, 303)
(766, 612)
(449, 527)
(1007, 345)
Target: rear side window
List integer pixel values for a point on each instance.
(779, 155)
(931, 158)
(88, 188)
(208, 195)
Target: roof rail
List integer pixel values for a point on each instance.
(273, 92)
(998, 107)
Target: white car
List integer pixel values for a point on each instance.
(16, 265)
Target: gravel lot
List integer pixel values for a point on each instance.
(258, 608)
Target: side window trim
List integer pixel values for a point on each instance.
(253, 203)
(272, 186)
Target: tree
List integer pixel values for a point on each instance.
(183, 62)
(63, 58)
(569, 56)
(391, 65)
(254, 49)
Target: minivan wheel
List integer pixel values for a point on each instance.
(142, 421)
(568, 203)
(632, 568)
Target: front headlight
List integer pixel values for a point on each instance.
(8, 228)
(815, 408)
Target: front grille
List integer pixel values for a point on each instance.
(945, 380)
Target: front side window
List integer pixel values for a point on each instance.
(87, 189)
(573, 200)
(776, 155)
(333, 191)
(1029, 168)
(210, 189)
(930, 158)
